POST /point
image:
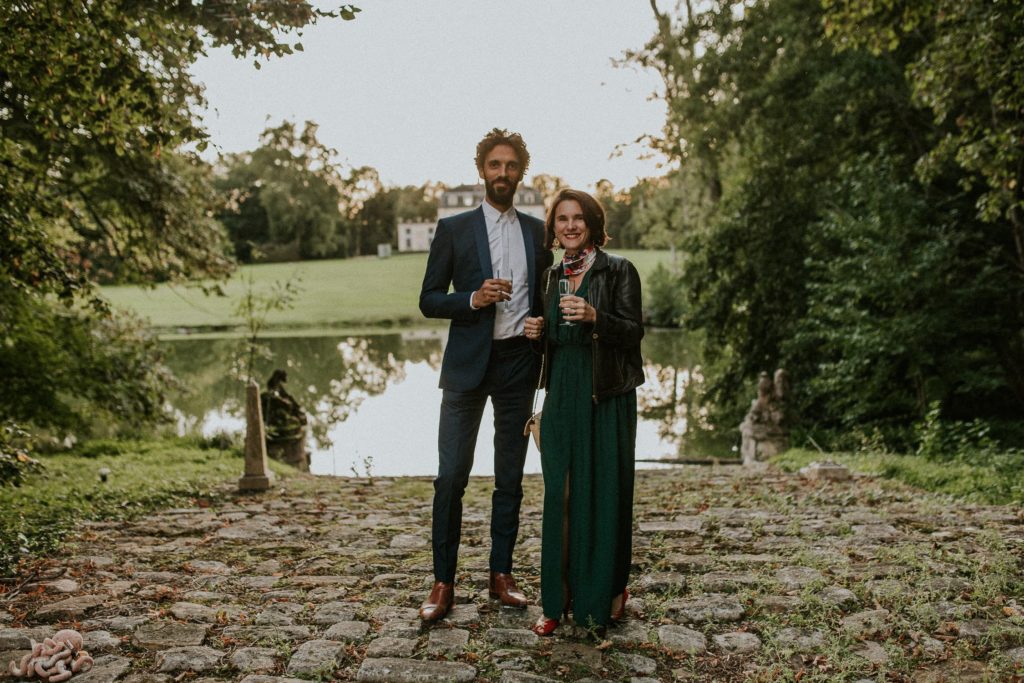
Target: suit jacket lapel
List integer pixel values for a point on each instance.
(483, 248)
(531, 265)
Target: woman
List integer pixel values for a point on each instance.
(591, 369)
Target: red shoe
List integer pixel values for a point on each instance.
(544, 626)
(620, 613)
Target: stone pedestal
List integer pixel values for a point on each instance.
(827, 470)
(257, 475)
(761, 441)
(290, 451)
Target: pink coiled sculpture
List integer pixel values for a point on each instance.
(55, 659)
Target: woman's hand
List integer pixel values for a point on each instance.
(533, 328)
(577, 310)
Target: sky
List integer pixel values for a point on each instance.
(411, 86)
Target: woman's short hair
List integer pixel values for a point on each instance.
(500, 136)
(593, 216)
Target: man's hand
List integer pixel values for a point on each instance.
(491, 292)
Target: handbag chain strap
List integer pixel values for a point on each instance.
(544, 354)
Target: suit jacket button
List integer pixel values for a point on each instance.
(594, 335)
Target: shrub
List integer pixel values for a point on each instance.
(67, 368)
(15, 461)
(665, 298)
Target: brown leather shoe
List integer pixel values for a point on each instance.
(440, 600)
(503, 587)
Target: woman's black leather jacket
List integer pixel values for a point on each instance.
(614, 292)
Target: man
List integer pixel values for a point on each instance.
(491, 258)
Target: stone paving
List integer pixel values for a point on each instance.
(738, 575)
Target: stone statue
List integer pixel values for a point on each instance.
(285, 422)
(765, 429)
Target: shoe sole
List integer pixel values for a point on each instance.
(439, 617)
(497, 596)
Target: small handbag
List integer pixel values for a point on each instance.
(533, 428)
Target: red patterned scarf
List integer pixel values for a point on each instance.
(578, 262)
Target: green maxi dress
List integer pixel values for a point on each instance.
(588, 449)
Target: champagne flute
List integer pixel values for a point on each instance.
(564, 290)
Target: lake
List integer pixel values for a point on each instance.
(374, 403)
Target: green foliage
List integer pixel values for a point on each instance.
(254, 307)
(813, 243)
(98, 448)
(996, 480)
(663, 294)
(97, 114)
(969, 442)
(967, 66)
(68, 368)
(290, 198)
(905, 304)
(15, 461)
(220, 440)
(548, 185)
(656, 213)
(376, 220)
(286, 191)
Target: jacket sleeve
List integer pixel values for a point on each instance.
(435, 299)
(621, 322)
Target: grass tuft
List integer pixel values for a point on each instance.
(983, 481)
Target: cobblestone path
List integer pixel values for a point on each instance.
(737, 576)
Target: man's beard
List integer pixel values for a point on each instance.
(503, 195)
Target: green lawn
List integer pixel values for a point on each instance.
(364, 291)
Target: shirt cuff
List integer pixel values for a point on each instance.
(471, 306)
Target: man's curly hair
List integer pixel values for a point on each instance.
(500, 136)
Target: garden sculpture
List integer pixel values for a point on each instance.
(765, 429)
(285, 422)
(55, 659)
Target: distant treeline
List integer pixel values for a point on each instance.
(291, 199)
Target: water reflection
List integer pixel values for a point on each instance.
(373, 401)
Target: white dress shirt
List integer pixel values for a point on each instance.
(508, 261)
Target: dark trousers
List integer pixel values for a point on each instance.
(509, 382)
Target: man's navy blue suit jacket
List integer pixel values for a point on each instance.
(460, 259)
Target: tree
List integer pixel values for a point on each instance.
(904, 304)
(548, 185)
(416, 203)
(794, 258)
(97, 112)
(758, 117)
(287, 191)
(966, 65)
(362, 186)
(376, 220)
